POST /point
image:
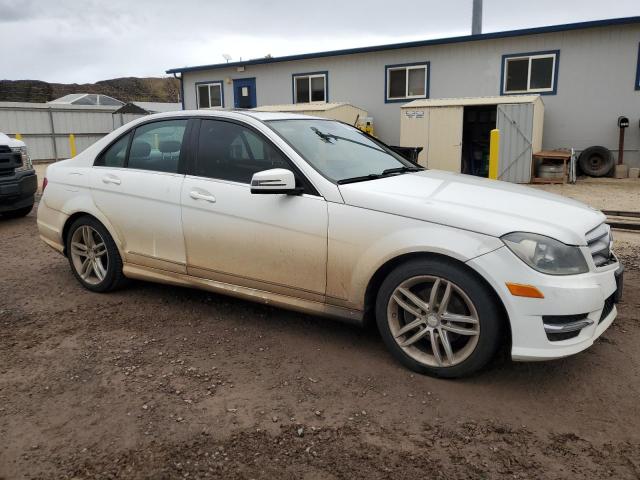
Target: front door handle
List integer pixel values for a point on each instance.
(202, 196)
(111, 179)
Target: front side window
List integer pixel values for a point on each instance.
(535, 73)
(407, 82)
(308, 88)
(228, 151)
(156, 146)
(115, 156)
(209, 95)
(338, 151)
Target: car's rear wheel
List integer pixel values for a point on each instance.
(93, 256)
(438, 318)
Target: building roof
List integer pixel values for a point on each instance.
(88, 99)
(419, 43)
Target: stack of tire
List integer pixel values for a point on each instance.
(596, 161)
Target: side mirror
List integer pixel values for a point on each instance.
(276, 180)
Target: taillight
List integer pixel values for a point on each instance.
(44, 184)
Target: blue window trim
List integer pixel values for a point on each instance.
(638, 70)
(556, 66)
(207, 82)
(405, 99)
(305, 74)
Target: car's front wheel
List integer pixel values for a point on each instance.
(438, 318)
(93, 255)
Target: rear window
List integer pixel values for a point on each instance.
(116, 154)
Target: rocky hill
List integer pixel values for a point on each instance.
(125, 89)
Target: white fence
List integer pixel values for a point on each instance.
(45, 128)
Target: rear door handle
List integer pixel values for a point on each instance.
(111, 179)
(202, 196)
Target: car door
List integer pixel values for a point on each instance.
(272, 242)
(136, 183)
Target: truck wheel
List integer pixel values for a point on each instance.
(596, 161)
(437, 318)
(93, 256)
(20, 212)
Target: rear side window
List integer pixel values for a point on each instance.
(116, 154)
(157, 146)
(228, 151)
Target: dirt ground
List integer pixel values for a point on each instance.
(162, 382)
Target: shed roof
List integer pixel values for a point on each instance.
(463, 101)
(302, 107)
(149, 107)
(420, 43)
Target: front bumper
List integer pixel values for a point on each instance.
(588, 298)
(17, 190)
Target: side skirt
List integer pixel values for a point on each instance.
(268, 298)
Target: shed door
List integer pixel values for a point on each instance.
(515, 122)
(444, 141)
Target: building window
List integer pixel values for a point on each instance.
(406, 81)
(310, 87)
(530, 72)
(210, 95)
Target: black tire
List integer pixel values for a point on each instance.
(19, 213)
(596, 161)
(490, 315)
(114, 277)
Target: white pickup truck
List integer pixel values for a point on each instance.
(18, 181)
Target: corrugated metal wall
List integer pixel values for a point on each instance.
(45, 128)
(515, 122)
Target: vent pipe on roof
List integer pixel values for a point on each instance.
(476, 21)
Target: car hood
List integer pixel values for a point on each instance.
(478, 204)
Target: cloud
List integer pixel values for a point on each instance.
(80, 41)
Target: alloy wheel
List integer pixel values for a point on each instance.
(433, 321)
(89, 254)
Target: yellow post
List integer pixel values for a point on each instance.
(18, 136)
(72, 145)
(494, 148)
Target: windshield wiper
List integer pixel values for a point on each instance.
(364, 178)
(385, 173)
(390, 171)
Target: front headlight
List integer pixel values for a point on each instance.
(26, 161)
(546, 255)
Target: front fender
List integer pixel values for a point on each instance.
(362, 241)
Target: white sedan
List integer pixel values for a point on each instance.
(313, 215)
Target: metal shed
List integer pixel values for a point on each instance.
(454, 133)
(344, 112)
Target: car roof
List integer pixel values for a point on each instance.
(237, 114)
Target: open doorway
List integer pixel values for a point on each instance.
(477, 125)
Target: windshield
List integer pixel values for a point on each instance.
(340, 152)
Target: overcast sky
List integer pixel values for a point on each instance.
(76, 41)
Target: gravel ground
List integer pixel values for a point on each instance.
(601, 193)
(156, 381)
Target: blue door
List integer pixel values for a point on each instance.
(244, 93)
